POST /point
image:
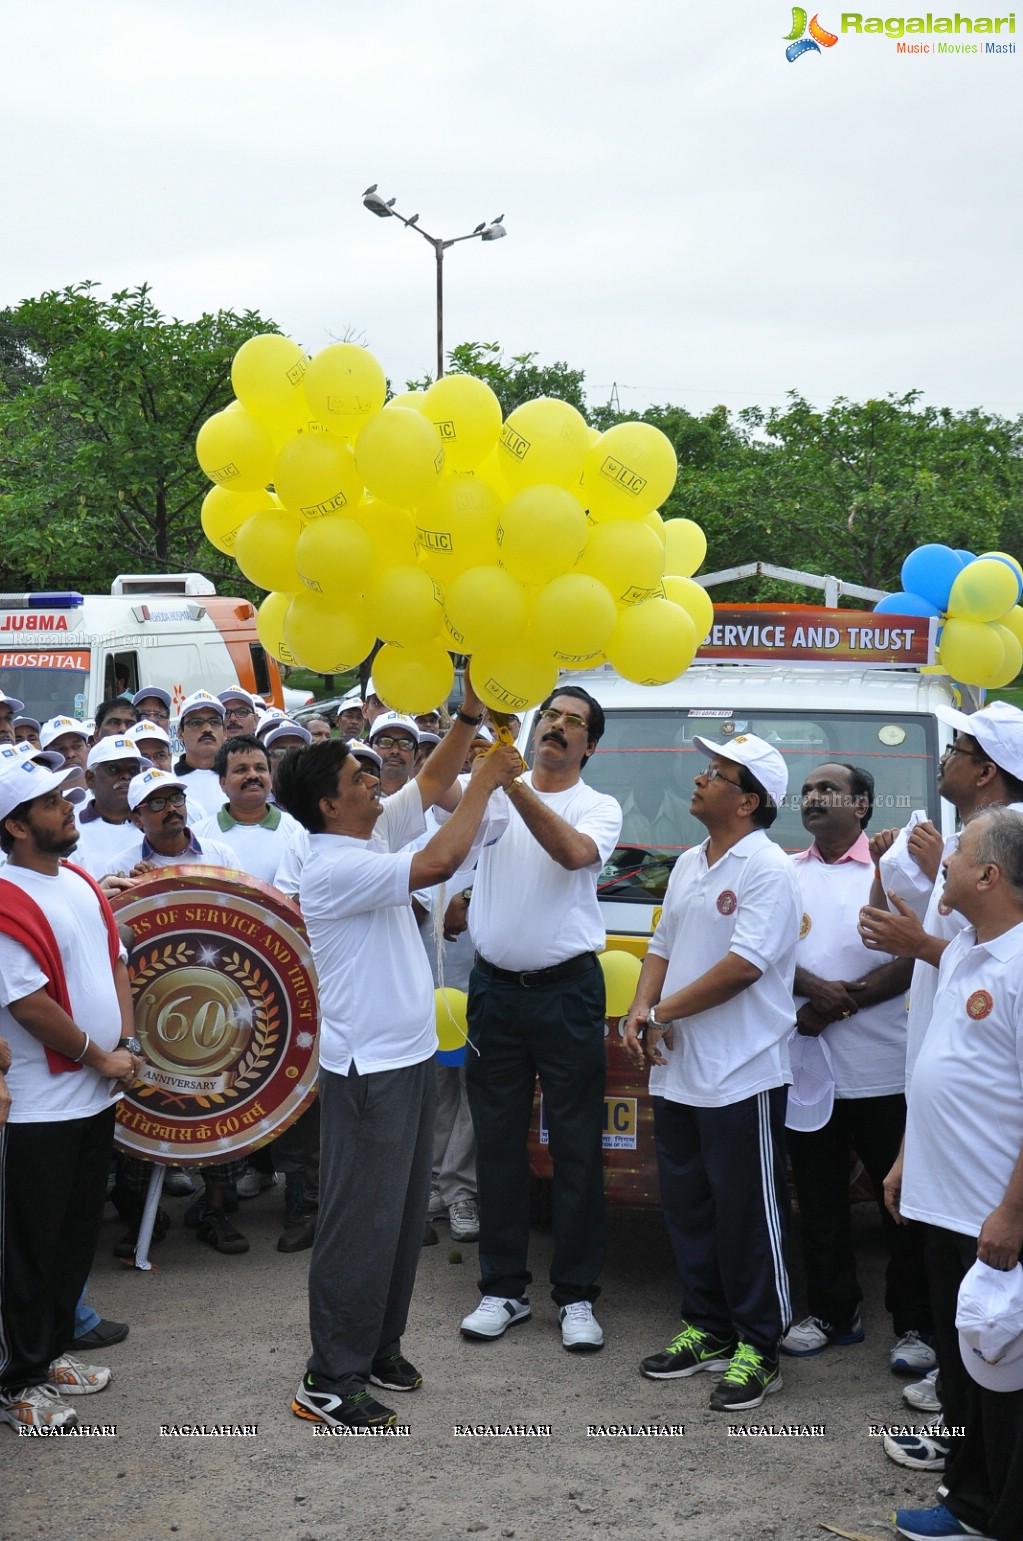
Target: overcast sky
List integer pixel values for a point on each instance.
(689, 215)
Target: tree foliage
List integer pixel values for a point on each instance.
(100, 403)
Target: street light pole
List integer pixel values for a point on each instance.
(384, 209)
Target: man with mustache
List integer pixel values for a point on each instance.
(67, 736)
(9, 709)
(201, 726)
(395, 739)
(536, 1006)
(104, 822)
(256, 830)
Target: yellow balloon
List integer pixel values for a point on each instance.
(335, 557)
(235, 451)
(652, 643)
(629, 471)
(412, 399)
(400, 456)
(513, 679)
(656, 523)
(694, 599)
(406, 605)
(543, 441)
(573, 617)
(1012, 663)
(1013, 621)
(467, 415)
(326, 637)
(450, 1006)
(223, 514)
(270, 627)
(344, 386)
(457, 527)
(413, 679)
(621, 976)
(626, 557)
(392, 531)
(264, 549)
(983, 591)
(1003, 556)
(486, 607)
(685, 547)
(971, 651)
(267, 374)
(316, 475)
(542, 533)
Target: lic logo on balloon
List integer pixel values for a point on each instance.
(804, 39)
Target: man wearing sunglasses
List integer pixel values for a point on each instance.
(536, 1006)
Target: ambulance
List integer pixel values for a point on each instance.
(64, 653)
(820, 684)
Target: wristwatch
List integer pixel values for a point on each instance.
(651, 1020)
(131, 1044)
(467, 894)
(470, 722)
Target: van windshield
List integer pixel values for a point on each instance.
(647, 760)
(51, 682)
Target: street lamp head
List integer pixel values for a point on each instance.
(376, 205)
(494, 232)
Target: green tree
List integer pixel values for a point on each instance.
(515, 380)
(100, 403)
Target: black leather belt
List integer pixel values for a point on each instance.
(540, 978)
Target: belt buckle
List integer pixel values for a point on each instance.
(524, 979)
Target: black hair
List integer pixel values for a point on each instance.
(861, 784)
(6, 838)
(240, 744)
(766, 811)
(594, 714)
(106, 707)
(307, 775)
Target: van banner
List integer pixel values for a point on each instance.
(808, 634)
(51, 658)
(225, 1009)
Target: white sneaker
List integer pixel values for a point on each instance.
(925, 1451)
(922, 1393)
(37, 1407)
(912, 1355)
(437, 1208)
(178, 1184)
(580, 1331)
(493, 1316)
(464, 1219)
(252, 1183)
(813, 1335)
(73, 1378)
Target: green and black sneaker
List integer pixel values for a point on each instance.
(691, 1350)
(750, 1378)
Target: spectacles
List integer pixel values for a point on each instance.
(572, 719)
(202, 722)
(158, 714)
(161, 800)
(386, 741)
(239, 711)
(713, 774)
(967, 754)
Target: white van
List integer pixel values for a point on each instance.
(64, 653)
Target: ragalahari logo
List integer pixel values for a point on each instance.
(806, 39)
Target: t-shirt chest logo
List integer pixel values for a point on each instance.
(979, 1005)
(805, 926)
(727, 903)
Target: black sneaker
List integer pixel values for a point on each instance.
(216, 1229)
(394, 1373)
(691, 1350)
(750, 1378)
(353, 1410)
(196, 1209)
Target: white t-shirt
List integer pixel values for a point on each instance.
(527, 912)
(292, 863)
(98, 840)
(868, 1049)
(258, 848)
(375, 989)
(76, 920)
(212, 853)
(746, 903)
(203, 790)
(964, 1128)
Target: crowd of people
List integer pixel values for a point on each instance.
(771, 1011)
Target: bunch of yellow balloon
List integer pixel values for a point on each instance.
(981, 642)
(533, 544)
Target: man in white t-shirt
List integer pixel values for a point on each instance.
(201, 726)
(104, 822)
(377, 1085)
(536, 1007)
(257, 832)
(854, 1000)
(712, 1014)
(65, 1012)
(962, 1173)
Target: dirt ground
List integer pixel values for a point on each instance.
(222, 1340)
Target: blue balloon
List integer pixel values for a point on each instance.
(966, 557)
(905, 604)
(930, 571)
(451, 1056)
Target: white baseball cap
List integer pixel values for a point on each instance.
(22, 779)
(364, 752)
(148, 781)
(236, 693)
(812, 1093)
(33, 722)
(351, 698)
(56, 727)
(147, 729)
(998, 729)
(760, 758)
(155, 692)
(267, 718)
(106, 749)
(197, 699)
(287, 729)
(389, 721)
(15, 705)
(989, 1316)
